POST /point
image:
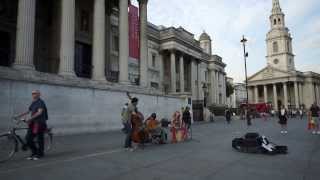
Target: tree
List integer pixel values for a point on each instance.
(229, 89)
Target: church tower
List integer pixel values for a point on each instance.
(279, 41)
(205, 43)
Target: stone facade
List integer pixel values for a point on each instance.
(82, 46)
(280, 83)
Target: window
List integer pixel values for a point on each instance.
(84, 21)
(275, 47)
(274, 22)
(279, 21)
(153, 63)
(276, 61)
(154, 85)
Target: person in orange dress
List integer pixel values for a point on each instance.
(175, 125)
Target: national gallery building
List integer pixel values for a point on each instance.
(83, 55)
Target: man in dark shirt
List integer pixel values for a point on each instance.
(315, 110)
(37, 125)
(186, 117)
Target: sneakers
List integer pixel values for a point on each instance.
(33, 158)
(314, 132)
(318, 132)
(284, 132)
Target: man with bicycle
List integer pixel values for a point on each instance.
(37, 125)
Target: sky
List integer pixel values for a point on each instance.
(227, 20)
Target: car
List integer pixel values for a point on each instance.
(255, 143)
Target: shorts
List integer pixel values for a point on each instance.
(316, 120)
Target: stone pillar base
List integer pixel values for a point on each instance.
(23, 67)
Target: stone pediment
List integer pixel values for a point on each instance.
(269, 73)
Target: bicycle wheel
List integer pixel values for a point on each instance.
(8, 146)
(48, 138)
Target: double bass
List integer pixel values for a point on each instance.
(139, 134)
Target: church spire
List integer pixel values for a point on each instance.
(276, 9)
(277, 16)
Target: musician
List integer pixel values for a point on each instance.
(154, 127)
(127, 121)
(175, 125)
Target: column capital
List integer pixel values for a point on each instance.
(172, 50)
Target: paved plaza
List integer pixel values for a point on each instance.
(208, 156)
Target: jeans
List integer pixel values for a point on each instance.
(128, 140)
(39, 149)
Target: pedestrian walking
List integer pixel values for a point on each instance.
(315, 110)
(248, 116)
(37, 125)
(283, 119)
(301, 112)
(228, 116)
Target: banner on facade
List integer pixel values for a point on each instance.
(134, 51)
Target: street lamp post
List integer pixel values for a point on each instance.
(245, 55)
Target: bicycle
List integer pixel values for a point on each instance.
(11, 142)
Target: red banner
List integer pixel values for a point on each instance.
(134, 51)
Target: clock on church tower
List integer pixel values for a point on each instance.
(279, 41)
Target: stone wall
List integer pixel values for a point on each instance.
(75, 109)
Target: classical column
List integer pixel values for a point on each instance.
(181, 62)
(285, 94)
(213, 86)
(224, 94)
(143, 43)
(123, 42)
(25, 35)
(265, 93)
(161, 70)
(193, 78)
(98, 57)
(275, 97)
(217, 86)
(256, 95)
(296, 94)
(300, 94)
(67, 38)
(317, 93)
(199, 85)
(173, 71)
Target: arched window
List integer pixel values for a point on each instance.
(279, 21)
(274, 22)
(275, 47)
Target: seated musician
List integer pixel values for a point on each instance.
(153, 127)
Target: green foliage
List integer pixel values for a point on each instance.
(229, 89)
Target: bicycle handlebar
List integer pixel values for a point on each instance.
(18, 121)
